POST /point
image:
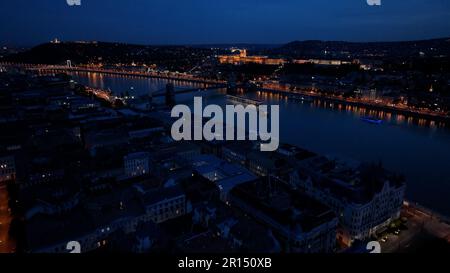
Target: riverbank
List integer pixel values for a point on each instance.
(368, 105)
(435, 116)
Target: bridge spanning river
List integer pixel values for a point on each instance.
(41, 68)
(169, 92)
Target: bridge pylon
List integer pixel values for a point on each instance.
(231, 85)
(170, 95)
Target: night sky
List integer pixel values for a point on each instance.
(30, 22)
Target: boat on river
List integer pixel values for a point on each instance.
(371, 120)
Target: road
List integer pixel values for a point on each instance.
(419, 223)
(403, 109)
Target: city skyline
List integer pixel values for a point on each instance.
(200, 22)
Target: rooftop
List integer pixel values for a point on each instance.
(226, 175)
(288, 208)
(356, 183)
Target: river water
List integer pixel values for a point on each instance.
(418, 149)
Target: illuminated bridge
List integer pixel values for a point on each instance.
(169, 92)
(94, 69)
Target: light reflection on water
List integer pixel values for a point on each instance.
(418, 148)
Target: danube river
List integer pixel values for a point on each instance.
(419, 149)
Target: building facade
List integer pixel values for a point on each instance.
(137, 164)
(364, 206)
(7, 168)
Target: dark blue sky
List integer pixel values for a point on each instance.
(28, 22)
